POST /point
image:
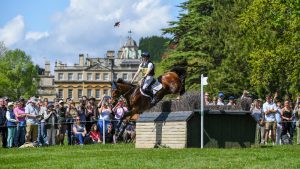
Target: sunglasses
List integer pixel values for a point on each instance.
(77, 119)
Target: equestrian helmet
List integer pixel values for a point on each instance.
(146, 54)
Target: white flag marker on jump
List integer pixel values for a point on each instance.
(203, 83)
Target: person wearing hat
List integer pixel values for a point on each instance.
(221, 99)
(11, 124)
(32, 112)
(231, 101)
(61, 114)
(51, 124)
(147, 69)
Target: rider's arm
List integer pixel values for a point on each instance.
(135, 75)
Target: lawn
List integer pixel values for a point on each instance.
(126, 156)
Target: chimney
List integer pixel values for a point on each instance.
(47, 68)
(110, 54)
(81, 59)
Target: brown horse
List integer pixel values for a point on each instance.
(172, 83)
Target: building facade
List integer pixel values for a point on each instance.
(92, 76)
(46, 87)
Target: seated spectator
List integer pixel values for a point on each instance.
(95, 135)
(11, 124)
(79, 130)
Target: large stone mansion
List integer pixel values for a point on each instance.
(90, 77)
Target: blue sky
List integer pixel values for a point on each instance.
(61, 29)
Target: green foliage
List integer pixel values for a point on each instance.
(155, 45)
(19, 76)
(247, 44)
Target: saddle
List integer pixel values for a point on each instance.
(152, 89)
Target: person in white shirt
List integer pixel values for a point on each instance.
(221, 99)
(270, 109)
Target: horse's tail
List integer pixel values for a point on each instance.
(181, 72)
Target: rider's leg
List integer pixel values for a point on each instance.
(146, 84)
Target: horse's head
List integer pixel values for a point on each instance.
(120, 87)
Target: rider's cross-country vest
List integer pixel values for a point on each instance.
(144, 68)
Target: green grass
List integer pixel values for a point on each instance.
(126, 156)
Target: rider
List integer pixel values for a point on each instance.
(147, 69)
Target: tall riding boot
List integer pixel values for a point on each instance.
(153, 101)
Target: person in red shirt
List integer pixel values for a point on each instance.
(95, 134)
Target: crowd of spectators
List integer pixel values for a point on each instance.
(277, 118)
(42, 123)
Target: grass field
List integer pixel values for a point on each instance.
(126, 156)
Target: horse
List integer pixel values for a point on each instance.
(172, 83)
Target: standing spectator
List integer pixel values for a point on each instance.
(42, 138)
(51, 124)
(119, 110)
(72, 113)
(61, 114)
(269, 109)
(221, 99)
(258, 115)
(104, 114)
(297, 115)
(3, 129)
(90, 116)
(94, 134)
(20, 116)
(231, 101)
(32, 112)
(11, 124)
(79, 130)
(82, 111)
(278, 121)
(286, 115)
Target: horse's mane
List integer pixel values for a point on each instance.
(124, 82)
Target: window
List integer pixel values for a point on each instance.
(97, 93)
(105, 92)
(89, 92)
(70, 93)
(115, 76)
(97, 76)
(70, 76)
(79, 93)
(124, 76)
(105, 76)
(79, 76)
(60, 93)
(89, 76)
(60, 76)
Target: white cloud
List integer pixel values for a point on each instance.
(13, 31)
(87, 27)
(36, 35)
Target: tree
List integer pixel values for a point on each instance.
(273, 27)
(19, 76)
(155, 45)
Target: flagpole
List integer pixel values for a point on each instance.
(202, 111)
